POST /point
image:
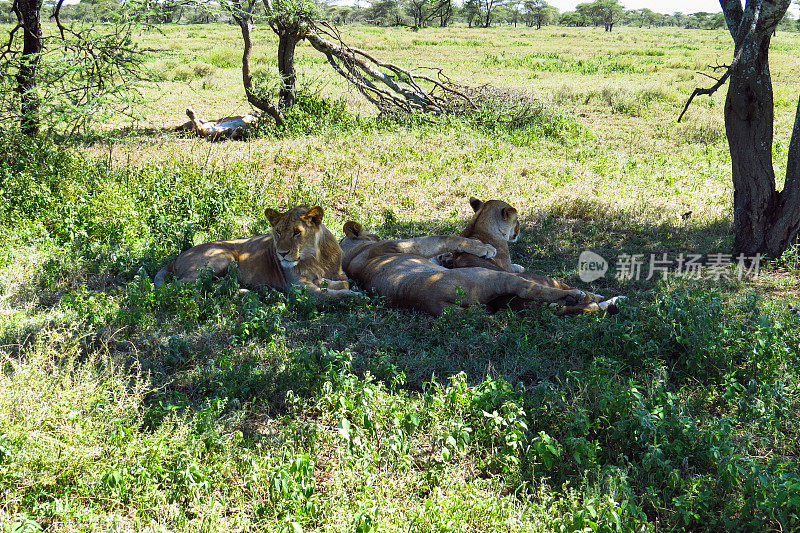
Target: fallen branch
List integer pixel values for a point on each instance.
(389, 87)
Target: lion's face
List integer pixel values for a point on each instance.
(296, 233)
(496, 217)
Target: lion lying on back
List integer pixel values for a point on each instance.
(235, 127)
(402, 272)
(299, 251)
(497, 223)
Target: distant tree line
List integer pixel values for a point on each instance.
(421, 13)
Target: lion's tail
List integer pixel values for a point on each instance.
(161, 277)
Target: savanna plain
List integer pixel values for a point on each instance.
(204, 408)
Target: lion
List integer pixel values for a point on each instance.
(235, 127)
(497, 223)
(300, 251)
(403, 273)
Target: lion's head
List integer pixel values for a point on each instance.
(355, 235)
(495, 218)
(296, 233)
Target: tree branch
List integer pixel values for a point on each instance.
(8, 51)
(711, 90)
(55, 15)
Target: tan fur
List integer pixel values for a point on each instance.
(234, 127)
(496, 223)
(402, 272)
(300, 250)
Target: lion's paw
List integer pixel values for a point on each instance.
(580, 296)
(486, 250)
(611, 305)
(445, 260)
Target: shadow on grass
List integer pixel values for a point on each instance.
(192, 361)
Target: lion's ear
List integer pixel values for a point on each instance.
(352, 229)
(508, 212)
(272, 215)
(475, 203)
(314, 215)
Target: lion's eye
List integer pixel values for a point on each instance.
(296, 233)
(278, 234)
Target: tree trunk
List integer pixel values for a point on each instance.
(28, 15)
(287, 41)
(765, 220)
(245, 23)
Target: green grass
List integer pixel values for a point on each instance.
(204, 408)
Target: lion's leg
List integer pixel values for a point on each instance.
(490, 284)
(544, 280)
(332, 284)
(433, 245)
(555, 283)
(578, 309)
(323, 295)
(199, 124)
(610, 305)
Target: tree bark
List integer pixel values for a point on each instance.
(287, 42)
(765, 220)
(28, 16)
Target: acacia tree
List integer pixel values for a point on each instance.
(71, 77)
(445, 13)
(389, 87)
(765, 220)
(424, 11)
(386, 12)
(471, 12)
(242, 12)
(487, 8)
(609, 12)
(539, 12)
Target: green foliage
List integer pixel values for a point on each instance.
(224, 57)
(85, 75)
(127, 406)
(522, 120)
(292, 14)
(313, 114)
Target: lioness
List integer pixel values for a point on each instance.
(224, 128)
(402, 272)
(299, 251)
(497, 223)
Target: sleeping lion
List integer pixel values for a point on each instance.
(403, 273)
(234, 127)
